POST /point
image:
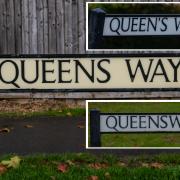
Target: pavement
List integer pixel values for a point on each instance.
(33, 135)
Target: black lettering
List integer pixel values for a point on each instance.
(116, 29)
(175, 68)
(175, 121)
(164, 21)
(113, 125)
(61, 71)
(45, 71)
(134, 24)
(141, 122)
(141, 24)
(163, 72)
(123, 25)
(133, 120)
(23, 72)
(153, 24)
(89, 75)
(13, 81)
(163, 121)
(151, 120)
(177, 23)
(120, 123)
(103, 70)
(145, 75)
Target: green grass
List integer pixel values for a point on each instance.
(139, 139)
(137, 107)
(137, 8)
(45, 167)
(63, 112)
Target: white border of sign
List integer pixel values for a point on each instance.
(87, 101)
(151, 50)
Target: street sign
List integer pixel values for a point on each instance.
(127, 72)
(141, 25)
(139, 122)
(103, 26)
(130, 123)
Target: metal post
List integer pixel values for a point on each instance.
(95, 27)
(95, 136)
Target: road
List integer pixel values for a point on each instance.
(32, 135)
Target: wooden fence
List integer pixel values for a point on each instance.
(42, 26)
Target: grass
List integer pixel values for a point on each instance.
(139, 139)
(64, 112)
(137, 107)
(45, 167)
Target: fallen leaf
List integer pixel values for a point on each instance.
(55, 162)
(81, 126)
(107, 175)
(53, 177)
(93, 178)
(122, 164)
(68, 114)
(145, 165)
(70, 163)
(3, 169)
(97, 165)
(28, 126)
(5, 130)
(62, 167)
(13, 162)
(156, 165)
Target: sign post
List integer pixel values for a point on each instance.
(95, 128)
(130, 123)
(96, 24)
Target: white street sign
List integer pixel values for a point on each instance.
(141, 25)
(139, 123)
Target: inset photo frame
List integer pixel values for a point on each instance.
(133, 124)
(112, 26)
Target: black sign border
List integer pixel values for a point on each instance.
(124, 55)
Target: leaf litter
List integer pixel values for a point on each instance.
(63, 167)
(14, 162)
(5, 130)
(3, 169)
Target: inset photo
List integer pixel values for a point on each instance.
(132, 124)
(132, 26)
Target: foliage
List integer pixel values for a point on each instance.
(138, 8)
